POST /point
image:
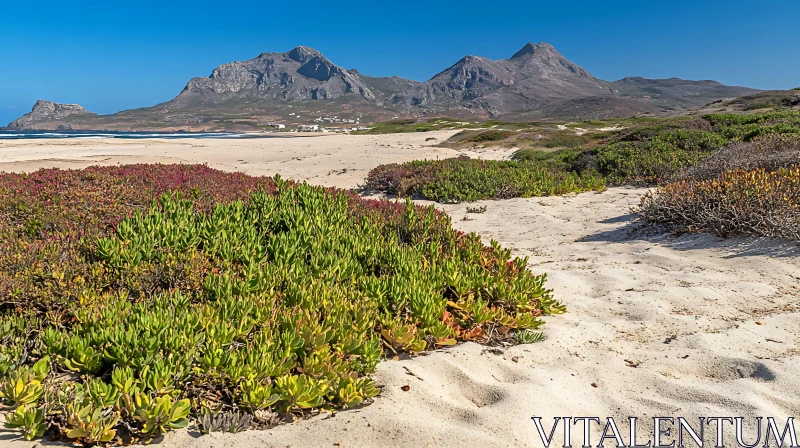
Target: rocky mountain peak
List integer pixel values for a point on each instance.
(300, 74)
(303, 54)
(45, 110)
(44, 106)
(471, 58)
(541, 48)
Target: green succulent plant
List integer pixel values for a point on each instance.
(159, 415)
(24, 385)
(300, 391)
(270, 301)
(90, 424)
(256, 396)
(29, 419)
(529, 337)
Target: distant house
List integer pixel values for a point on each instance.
(308, 128)
(277, 125)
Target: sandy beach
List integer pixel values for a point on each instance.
(657, 325)
(336, 160)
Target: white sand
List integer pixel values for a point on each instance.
(657, 326)
(337, 160)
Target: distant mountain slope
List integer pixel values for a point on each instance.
(385, 87)
(301, 85)
(676, 92)
(587, 108)
(768, 99)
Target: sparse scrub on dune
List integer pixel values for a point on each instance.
(658, 153)
(737, 202)
(653, 159)
(489, 136)
(722, 173)
(769, 152)
(748, 187)
(567, 139)
(455, 180)
(649, 153)
(135, 300)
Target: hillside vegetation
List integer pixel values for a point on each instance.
(145, 298)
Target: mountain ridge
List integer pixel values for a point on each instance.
(302, 84)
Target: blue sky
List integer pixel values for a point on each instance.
(110, 56)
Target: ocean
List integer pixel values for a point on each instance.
(21, 135)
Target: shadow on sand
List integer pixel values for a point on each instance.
(735, 247)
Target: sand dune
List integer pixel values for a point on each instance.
(656, 325)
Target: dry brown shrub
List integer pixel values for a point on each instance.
(758, 202)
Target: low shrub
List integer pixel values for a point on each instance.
(566, 139)
(769, 152)
(657, 153)
(746, 127)
(654, 159)
(736, 202)
(530, 154)
(456, 180)
(134, 300)
(489, 136)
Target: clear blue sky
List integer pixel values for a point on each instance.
(109, 56)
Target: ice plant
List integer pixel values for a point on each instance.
(172, 290)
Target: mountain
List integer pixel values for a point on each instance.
(768, 99)
(298, 75)
(676, 92)
(386, 87)
(534, 75)
(49, 112)
(301, 85)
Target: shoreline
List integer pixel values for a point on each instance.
(16, 135)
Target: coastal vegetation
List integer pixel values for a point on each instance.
(415, 125)
(455, 180)
(721, 173)
(144, 298)
(745, 188)
(737, 202)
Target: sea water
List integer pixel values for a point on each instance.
(16, 135)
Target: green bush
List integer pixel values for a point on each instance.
(749, 126)
(656, 158)
(658, 153)
(653, 153)
(228, 299)
(456, 180)
(566, 139)
(489, 136)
